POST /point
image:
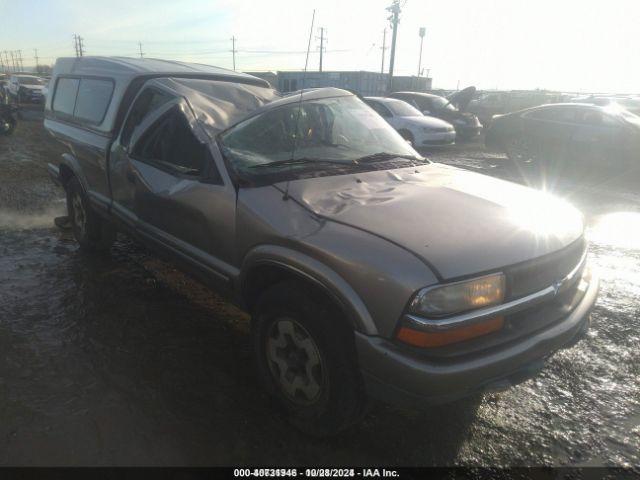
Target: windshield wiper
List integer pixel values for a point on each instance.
(381, 156)
(299, 161)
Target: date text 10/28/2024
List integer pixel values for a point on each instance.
(315, 472)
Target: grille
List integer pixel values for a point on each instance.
(537, 274)
(439, 130)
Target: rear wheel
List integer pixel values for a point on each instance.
(7, 125)
(518, 150)
(306, 359)
(91, 231)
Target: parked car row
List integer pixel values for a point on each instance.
(451, 109)
(419, 129)
(632, 104)
(368, 270)
(428, 120)
(23, 88)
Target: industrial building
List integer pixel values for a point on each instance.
(360, 82)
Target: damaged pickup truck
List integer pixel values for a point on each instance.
(368, 270)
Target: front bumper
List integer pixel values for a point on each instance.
(398, 376)
(437, 138)
(467, 132)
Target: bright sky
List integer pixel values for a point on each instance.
(571, 45)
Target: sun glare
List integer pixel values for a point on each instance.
(618, 229)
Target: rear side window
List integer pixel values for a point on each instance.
(565, 115)
(170, 144)
(148, 101)
(64, 100)
(93, 99)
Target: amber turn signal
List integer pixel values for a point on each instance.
(419, 338)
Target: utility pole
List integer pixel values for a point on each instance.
(140, 46)
(394, 18)
(421, 32)
(322, 47)
(75, 44)
(35, 51)
(383, 48)
(233, 49)
(80, 46)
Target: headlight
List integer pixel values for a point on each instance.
(459, 297)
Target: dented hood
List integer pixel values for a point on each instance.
(458, 222)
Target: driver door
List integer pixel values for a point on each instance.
(167, 186)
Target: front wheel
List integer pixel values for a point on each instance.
(306, 359)
(91, 231)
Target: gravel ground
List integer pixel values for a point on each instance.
(122, 360)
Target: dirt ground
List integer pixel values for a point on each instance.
(122, 360)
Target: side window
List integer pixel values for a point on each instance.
(564, 115)
(422, 103)
(170, 144)
(380, 109)
(93, 99)
(64, 99)
(594, 118)
(149, 100)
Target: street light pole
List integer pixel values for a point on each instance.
(421, 33)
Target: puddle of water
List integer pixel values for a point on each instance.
(14, 220)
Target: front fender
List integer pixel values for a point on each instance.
(70, 162)
(316, 272)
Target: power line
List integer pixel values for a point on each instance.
(394, 8)
(383, 48)
(322, 48)
(79, 47)
(233, 49)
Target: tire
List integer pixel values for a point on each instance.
(7, 125)
(91, 231)
(306, 359)
(517, 149)
(407, 135)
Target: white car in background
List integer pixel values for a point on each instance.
(419, 129)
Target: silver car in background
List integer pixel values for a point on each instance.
(419, 129)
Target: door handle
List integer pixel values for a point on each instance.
(131, 178)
